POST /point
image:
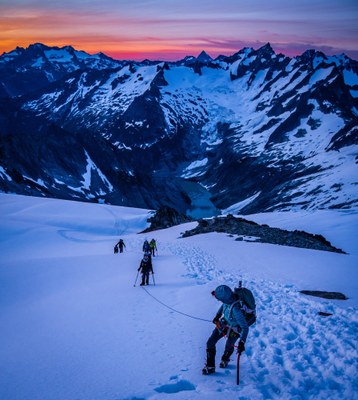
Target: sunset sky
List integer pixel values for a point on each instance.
(172, 29)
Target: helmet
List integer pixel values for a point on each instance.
(224, 294)
(146, 257)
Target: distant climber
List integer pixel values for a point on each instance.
(146, 247)
(153, 247)
(120, 245)
(145, 268)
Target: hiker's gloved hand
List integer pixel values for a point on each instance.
(241, 347)
(221, 326)
(216, 320)
(138, 269)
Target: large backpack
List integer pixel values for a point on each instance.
(246, 300)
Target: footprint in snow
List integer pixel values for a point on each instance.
(177, 387)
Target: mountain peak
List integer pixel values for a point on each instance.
(37, 46)
(204, 57)
(266, 49)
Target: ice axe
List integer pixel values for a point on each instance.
(238, 369)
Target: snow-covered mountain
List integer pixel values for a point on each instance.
(256, 131)
(25, 70)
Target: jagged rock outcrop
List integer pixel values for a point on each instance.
(251, 231)
(165, 217)
(325, 295)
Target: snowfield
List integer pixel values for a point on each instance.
(74, 327)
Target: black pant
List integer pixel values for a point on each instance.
(145, 277)
(217, 335)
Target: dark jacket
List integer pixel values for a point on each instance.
(146, 266)
(121, 244)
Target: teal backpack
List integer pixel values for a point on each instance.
(246, 300)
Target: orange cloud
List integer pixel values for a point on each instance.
(164, 30)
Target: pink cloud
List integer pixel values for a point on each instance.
(169, 30)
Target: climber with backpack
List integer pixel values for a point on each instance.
(232, 320)
(120, 245)
(145, 268)
(153, 247)
(146, 247)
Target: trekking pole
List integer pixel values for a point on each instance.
(136, 278)
(153, 278)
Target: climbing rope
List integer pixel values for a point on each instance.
(179, 312)
(170, 308)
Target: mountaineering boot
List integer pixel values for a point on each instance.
(225, 359)
(210, 362)
(208, 370)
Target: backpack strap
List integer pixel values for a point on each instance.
(243, 307)
(247, 309)
(237, 302)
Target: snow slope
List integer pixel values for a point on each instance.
(73, 326)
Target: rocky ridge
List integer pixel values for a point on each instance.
(166, 217)
(253, 232)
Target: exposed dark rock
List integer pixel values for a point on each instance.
(324, 314)
(249, 230)
(166, 217)
(325, 295)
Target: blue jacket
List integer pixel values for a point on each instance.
(232, 314)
